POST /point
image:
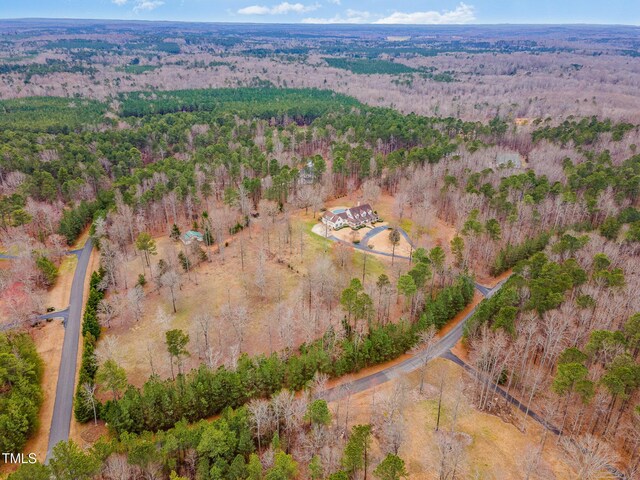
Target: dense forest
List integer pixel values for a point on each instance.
(20, 391)
(368, 67)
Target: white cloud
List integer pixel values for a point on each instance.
(140, 5)
(280, 9)
(254, 10)
(352, 16)
(335, 2)
(147, 5)
(463, 13)
(285, 7)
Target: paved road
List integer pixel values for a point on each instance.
(4, 256)
(63, 407)
(416, 361)
(63, 314)
(485, 291)
(9, 326)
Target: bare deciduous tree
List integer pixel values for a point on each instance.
(106, 312)
(261, 417)
(451, 450)
(426, 341)
(260, 278)
(171, 281)
(89, 397)
(117, 467)
(204, 321)
(135, 298)
(589, 457)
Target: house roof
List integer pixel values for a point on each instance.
(192, 234)
(360, 213)
(361, 210)
(333, 217)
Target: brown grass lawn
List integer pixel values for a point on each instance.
(223, 281)
(496, 448)
(48, 339)
(58, 296)
(382, 243)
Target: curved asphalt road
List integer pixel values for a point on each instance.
(441, 348)
(63, 407)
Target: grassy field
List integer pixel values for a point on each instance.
(407, 225)
(374, 267)
(316, 243)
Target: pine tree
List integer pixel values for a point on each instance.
(175, 233)
(355, 456)
(391, 468)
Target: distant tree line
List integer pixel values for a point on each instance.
(369, 66)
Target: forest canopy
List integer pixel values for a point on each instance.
(50, 114)
(304, 105)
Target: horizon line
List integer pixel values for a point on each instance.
(219, 22)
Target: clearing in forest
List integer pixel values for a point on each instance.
(256, 292)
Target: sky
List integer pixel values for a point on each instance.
(426, 12)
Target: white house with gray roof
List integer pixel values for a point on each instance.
(353, 217)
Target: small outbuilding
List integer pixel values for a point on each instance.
(191, 236)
